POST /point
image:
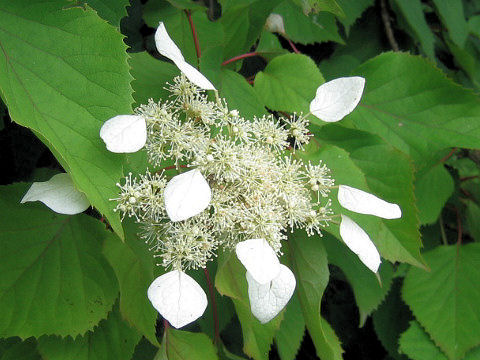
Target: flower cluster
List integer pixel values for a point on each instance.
(238, 184)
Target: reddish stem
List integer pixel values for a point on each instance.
(466, 178)
(240, 57)
(449, 155)
(292, 45)
(214, 304)
(172, 167)
(194, 34)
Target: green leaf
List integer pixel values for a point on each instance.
(412, 11)
(230, 280)
(90, 83)
(368, 163)
(446, 300)
(368, 291)
(290, 335)
(240, 95)
(316, 6)
(418, 346)
(243, 22)
(12, 349)
(150, 77)
(269, 47)
(112, 339)
(184, 345)
(451, 13)
(473, 214)
(433, 187)
(54, 277)
(309, 260)
(353, 10)
(307, 29)
(414, 107)
(391, 319)
(111, 10)
(288, 83)
(133, 264)
(186, 4)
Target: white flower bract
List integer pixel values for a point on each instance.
(59, 194)
(362, 202)
(337, 98)
(124, 133)
(187, 195)
(267, 300)
(178, 298)
(259, 259)
(359, 242)
(167, 48)
(274, 23)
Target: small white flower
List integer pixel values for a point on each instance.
(124, 133)
(337, 98)
(267, 300)
(259, 259)
(59, 194)
(363, 202)
(359, 242)
(178, 298)
(167, 48)
(187, 195)
(275, 24)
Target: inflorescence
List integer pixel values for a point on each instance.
(260, 189)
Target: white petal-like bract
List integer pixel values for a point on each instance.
(267, 300)
(259, 259)
(167, 48)
(59, 194)
(363, 202)
(274, 23)
(187, 195)
(337, 98)
(178, 298)
(359, 242)
(124, 133)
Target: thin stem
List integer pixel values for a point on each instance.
(195, 37)
(214, 305)
(449, 155)
(442, 230)
(292, 45)
(388, 26)
(240, 57)
(166, 325)
(466, 178)
(459, 226)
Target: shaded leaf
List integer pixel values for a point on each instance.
(111, 10)
(111, 339)
(54, 277)
(290, 335)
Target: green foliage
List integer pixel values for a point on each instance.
(309, 261)
(111, 339)
(290, 334)
(72, 289)
(282, 87)
(68, 116)
(445, 300)
(61, 284)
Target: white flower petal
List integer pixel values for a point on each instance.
(178, 298)
(59, 194)
(167, 48)
(337, 98)
(274, 23)
(195, 76)
(259, 259)
(124, 133)
(359, 242)
(363, 202)
(187, 195)
(267, 300)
